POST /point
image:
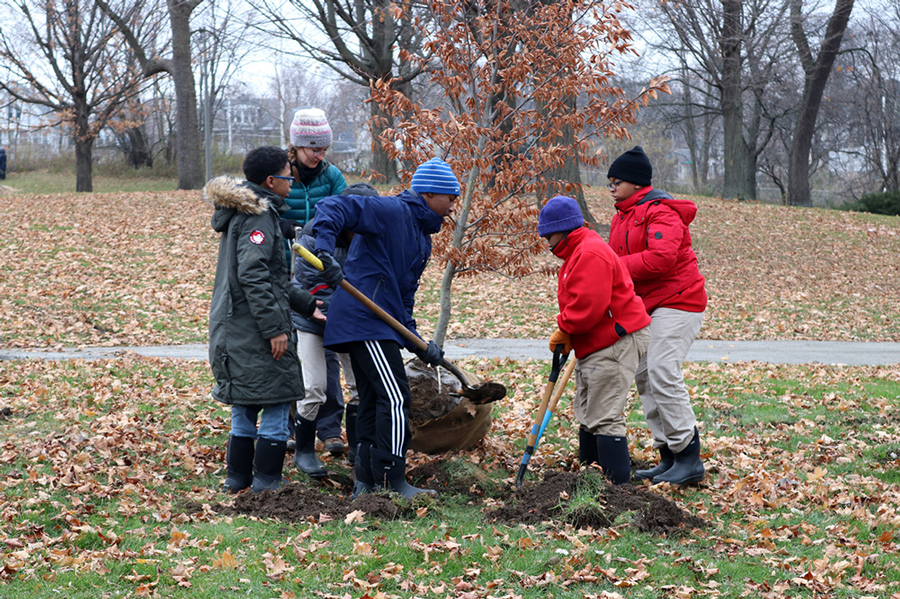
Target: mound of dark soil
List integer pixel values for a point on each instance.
(547, 501)
(296, 502)
(292, 503)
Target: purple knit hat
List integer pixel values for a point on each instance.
(560, 213)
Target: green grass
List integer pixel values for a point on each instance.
(799, 502)
(44, 182)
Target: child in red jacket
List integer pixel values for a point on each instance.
(602, 319)
(650, 235)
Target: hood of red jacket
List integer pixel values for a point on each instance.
(686, 209)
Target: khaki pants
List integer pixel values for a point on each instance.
(602, 382)
(660, 381)
(315, 376)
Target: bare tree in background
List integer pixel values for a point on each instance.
(817, 69)
(735, 49)
(149, 53)
(62, 55)
(363, 41)
(864, 92)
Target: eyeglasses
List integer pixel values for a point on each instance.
(316, 151)
(614, 184)
(282, 177)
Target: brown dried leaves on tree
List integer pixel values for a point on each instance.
(507, 121)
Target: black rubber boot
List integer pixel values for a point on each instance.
(587, 447)
(267, 464)
(365, 482)
(688, 467)
(305, 458)
(612, 455)
(390, 474)
(666, 461)
(239, 462)
(350, 427)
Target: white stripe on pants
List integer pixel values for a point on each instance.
(660, 381)
(394, 396)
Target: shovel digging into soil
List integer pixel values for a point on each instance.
(548, 406)
(478, 394)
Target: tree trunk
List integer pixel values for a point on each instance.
(459, 233)
(735, 180)
(750, 167)
(817, 72)
(84, 180)
(139, 153)
(84, 145)
(382, 163)
(188, 154)
(443, 322)
(569, 174)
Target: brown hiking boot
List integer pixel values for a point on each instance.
(335, 446)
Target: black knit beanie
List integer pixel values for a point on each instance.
(632, 166)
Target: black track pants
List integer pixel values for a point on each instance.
(384, 399)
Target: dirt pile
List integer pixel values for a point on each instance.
(551, 500)
(296, 502)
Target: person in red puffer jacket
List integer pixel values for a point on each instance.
(650, 235)
(602, 319)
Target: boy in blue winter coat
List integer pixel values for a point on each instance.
(251, 352)
(389, 251)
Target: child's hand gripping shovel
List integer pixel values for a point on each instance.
(547, 408)
(482, 393)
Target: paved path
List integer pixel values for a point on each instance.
(776, 352)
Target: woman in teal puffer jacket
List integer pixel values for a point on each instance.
(314, 179)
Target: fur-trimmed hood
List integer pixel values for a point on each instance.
(231, 196)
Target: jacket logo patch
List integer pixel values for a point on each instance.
(658, 235)
(257, 237)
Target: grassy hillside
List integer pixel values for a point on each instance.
(137, 268)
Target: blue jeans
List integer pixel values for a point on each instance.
(273, 424)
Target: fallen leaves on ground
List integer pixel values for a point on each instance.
(801, 480)
(137, 269)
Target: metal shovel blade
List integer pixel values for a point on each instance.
(478, 393)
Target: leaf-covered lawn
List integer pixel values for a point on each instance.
(137, 269)
(109, 473)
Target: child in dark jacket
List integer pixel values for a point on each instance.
(602, 319)
(251, 352)
(389, 251)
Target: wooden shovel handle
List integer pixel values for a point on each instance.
(561, 385)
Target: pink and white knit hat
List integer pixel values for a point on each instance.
(310, 129)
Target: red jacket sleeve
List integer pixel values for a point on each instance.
(585, 293)
(662, 242)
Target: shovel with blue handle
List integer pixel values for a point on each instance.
(548, 405)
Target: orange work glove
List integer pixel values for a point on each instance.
(560, 337)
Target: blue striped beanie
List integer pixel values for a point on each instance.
(435, 176)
